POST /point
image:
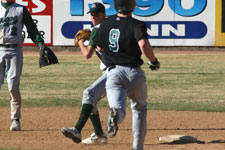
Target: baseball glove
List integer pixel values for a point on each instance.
(47, 57)
(154, 65)
(82, 34)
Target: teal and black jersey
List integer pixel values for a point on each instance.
(119, 37)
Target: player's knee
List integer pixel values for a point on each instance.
(13, 90)
(15, 98)
(88, 95)
(16, 101)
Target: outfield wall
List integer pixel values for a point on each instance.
(220, 23)
(169, 22)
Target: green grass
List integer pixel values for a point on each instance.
(194, 82)
(188, 82)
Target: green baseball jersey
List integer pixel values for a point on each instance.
(100, 54)
(13, 17)
(93, 33)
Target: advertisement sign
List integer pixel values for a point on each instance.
(170, 22)
(179, 22)
(69, 19)
(42, 15)
(220, 23)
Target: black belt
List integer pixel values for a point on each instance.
(8, 45)
(114, 66)
(111, 67)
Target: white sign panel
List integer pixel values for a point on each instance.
(44, 26)
(42, 13)
(169, 22)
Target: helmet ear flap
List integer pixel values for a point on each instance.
(123, 6)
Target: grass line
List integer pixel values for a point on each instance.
(192, 82)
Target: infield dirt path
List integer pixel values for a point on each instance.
(41, 126)
(41, 130)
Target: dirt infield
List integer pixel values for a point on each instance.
(41, 130)
(41, 126)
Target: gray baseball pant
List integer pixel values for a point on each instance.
(123, 81)
(95, 92)
(11, 62)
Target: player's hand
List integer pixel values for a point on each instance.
(154, 65)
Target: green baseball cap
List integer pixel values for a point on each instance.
(97, 8)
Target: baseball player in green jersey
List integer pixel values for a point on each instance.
(93, 93)
(124, 39)
(12, 19)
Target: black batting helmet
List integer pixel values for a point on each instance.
(123, 6)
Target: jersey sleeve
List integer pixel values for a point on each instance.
(91, 41)
(140, 31)
(31, 28)
(98, 35)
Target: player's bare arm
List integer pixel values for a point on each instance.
(87, 51)
(146, 49)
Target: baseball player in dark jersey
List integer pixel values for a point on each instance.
(93, 93)
(123, 40)
(12, 19)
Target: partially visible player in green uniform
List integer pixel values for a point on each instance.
(12, 19)
(93, 93)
